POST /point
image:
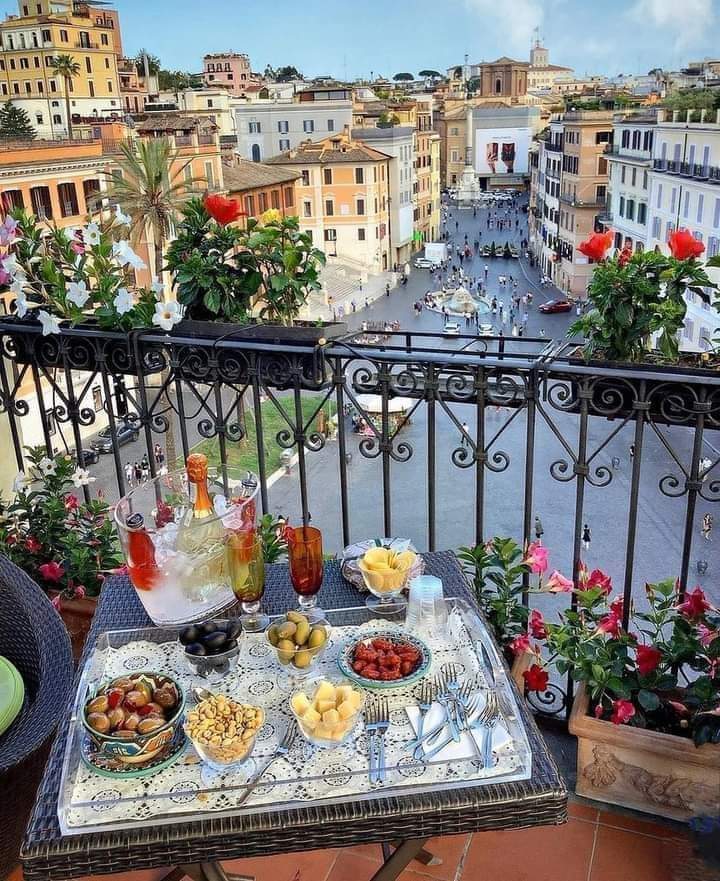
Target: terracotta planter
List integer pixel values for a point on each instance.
(77, 615)
(658, 773)
(521, 663)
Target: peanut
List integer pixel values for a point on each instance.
(222, 729)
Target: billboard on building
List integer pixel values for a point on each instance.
(502, 150)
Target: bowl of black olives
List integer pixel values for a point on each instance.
(211, 648)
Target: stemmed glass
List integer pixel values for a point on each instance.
(246, 569)
(306, 566)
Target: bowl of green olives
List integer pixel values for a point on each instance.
(298, 641)
(131, 718)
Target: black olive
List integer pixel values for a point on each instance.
(196, 648)
(189, 635)
(208, 627)
(214, 641)
(233, 629)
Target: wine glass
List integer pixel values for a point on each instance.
(306, 566)
(246, 569)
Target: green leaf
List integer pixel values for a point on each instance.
(648, 700)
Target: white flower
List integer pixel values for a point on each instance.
(10, 265)
(158, 288)
(123, 253)
(133, 260)
(47, 466)
(21, 305)
(17, 285)
(167, 315)
(21, 482)
(122, 218)
(50, 323)
(81, 477)
(91, 234)
(123, 301)
(77, 293)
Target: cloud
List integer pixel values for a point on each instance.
(515, 26)
(689, 20)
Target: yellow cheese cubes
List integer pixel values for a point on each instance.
(330, 714)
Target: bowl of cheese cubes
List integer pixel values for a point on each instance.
(327, 711)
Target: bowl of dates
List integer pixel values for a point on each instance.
(386, 659)
(131, 718)
(211, 648)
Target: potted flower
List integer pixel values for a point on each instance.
(647, 713)
(68, 546)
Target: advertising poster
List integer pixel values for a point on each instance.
(502, 150)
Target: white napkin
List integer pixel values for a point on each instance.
(455, 751)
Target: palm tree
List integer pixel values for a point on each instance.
(150, 186)
(66, 67)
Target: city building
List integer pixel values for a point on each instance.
(684, 193)
(30, 41)
(136, 86)
(398, 142)
(216, 104)
(541, 75)
(427, 166)
(258, 186)
(267, 128)
(343, 199)
(230, 71)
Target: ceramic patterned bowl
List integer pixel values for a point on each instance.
(346, 659)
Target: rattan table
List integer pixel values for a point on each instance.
(196, 847)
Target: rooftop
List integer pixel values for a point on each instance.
(249, 175)
(381, 133)
(329, 151)
(172, 122)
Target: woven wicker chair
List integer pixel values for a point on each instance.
(33, 637)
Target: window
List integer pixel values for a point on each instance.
(289, 197)
(88, 64)
(330, 235)
(686, 205)
(67, 195)
(63, 36)
(275, 198)
(603, 137)
(327, 175)
(642, 213)
(636, 139)
(36, 60)
(716, 214)
(602, 165)
(600, 192)
(3, 88)
(12, 64)
(308, 125)
(284, 144)
(630, 209)
(454, 132)
(210, 174)
(658, 200)
(361, 206)
(361, 234)
(49, 60)
(41, 204)
(57, 119)
(656, 228)
(250, 205)
(262, 202)
(305, 177)
(40, 86)
(700, 208)
(622, 175)
(28, 88)
(283, 127)
(673, 199)
(24, 64)
(255, 152)
(107, 64)
(645, 180)
(359, 175)
(331, 125)
(91, 88)
(669, 229)
(254, 128)
(329, 207)
(91, 188)
(12, 199)
(104, 39)
(634, 177)
(307, 208)
(621, 207)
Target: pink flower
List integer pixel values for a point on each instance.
(706, 635)
(51, 571)
(520, 644)
(8, 231)
(57, 602)
(71, 502)
(597, 578)
(536, 679)
(536, 558)
(121, 570)
(617, 606)
(557, 583)
(32, 544)
(679, 708)
(694, 605)
(77, 246)
(610, 624)
(79, 592)
(648, 658)
(537, 625)
(622, 710)
(598, 711)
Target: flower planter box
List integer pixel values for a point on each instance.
(520, 663)
(658, 773)
(77, 615)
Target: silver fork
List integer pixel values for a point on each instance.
(488, 719)
(283, 749)
(371, 727)
(470, 708)
(424, 704)
(446, 701)
(383, 723)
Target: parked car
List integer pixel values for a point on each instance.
(88, 456)
(486, 330)
(451, 328)
(553, 306)
(126, 432)
(423, 263)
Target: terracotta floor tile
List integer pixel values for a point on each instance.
(548, 853)
(144, 875)
(645, 827)
(621, 855)
(311, 865)
(449, 848)
(581, 811)
(350, 866)
(371, 852)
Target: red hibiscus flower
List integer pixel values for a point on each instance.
(51, 571)
(624, 256)
(536, 679)
(706, 635)
(80, 592)
(617, 606)
(71, 502)
(537, 625)
(223, 210)
(683, 245)
(598, 711)
(520, 644)
(648, 658)
(597, 578)
(610, 624)
(622, 710)
(679, 708)
(694, 605)
(32, 544)
(596, 246)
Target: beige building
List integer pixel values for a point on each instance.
(427, 165)
(541, 74)
(342, 199)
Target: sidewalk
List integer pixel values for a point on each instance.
(345, 284)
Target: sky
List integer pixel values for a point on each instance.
(350, 40)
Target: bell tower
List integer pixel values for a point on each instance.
(539, 56)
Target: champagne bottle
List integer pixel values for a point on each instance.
(142, 568)
(197, 472)
(202, 534)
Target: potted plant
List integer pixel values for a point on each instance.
(507, 253)
(68, 546)
(647, 714)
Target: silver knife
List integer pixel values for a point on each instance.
(488, 665)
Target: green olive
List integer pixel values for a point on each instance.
(317, 638)
(296, 618)
(302, 633)
(285, 650)
(303, 659)
(272, 634)
(287, 630)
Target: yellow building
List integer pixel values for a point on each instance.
(427, 167)
(41, 31)
(342, 199)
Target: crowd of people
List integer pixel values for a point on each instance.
(137, 473)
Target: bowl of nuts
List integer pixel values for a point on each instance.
(131, 718)
(223, 731)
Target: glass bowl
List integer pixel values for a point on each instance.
(213, 748)
(177, 563)
(213, 668)
(312, 715)
(386, 586)
(297, 661)
(202, 653)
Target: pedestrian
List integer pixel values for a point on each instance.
(705, 466)
(542, 333)
(539, 531)
(615, 462)
(367, 303)
(129, 474)
(156, 453)
(137, 470)
(457, 226)
(145, 468)
(161, 459)
(707, 525)
(353, 305)
(586, 537)
(632, 451)
(487, 270)
(464, 434)
(387, 289)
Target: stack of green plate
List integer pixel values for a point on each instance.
(12, 692)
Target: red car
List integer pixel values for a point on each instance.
(553, 306)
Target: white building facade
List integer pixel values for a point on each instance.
(629, 167)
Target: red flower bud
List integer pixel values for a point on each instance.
(683, 245)
(596, 246)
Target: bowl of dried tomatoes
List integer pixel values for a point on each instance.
(384, 659)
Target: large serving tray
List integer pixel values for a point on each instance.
(90, 802)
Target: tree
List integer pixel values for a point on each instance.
(403, 77)
(67, 68)
(149, 185)
(430, 75)
(152, 60)
(287, 73)
(15, 124)
(388, 120)
(473, 84)
(693, 99)
(175, 80)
